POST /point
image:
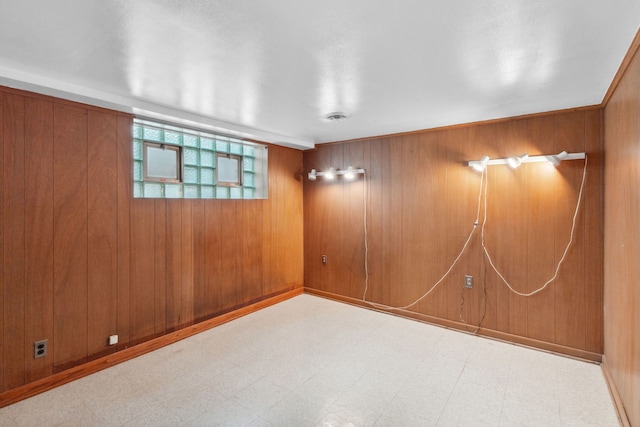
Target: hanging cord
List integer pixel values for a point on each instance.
(564, 254)
(484, 277)
(483, 178)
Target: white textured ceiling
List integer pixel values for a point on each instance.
(272, 69)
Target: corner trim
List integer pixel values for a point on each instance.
(40, 386)
(615, 396)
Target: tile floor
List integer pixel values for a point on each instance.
(313, 362)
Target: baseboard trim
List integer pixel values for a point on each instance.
(40, 386)
(615, 396)
(459, 326)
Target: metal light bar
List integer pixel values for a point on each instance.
(348, 173)
(516, 161)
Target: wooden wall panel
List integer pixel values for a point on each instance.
(102, 232)
(38, 234)
(160, 266)
(123, 221)
(2, 220)
(622, 237)
(213, 259)
(142, 293)
(423, 202)
(14, 243)
(70, 236)
(230, 232)
(541, 184)
(594, 233)
(569, 292)
(200, 288)
(187, 295)
(173, 279)
(251, 271)
(81, 259)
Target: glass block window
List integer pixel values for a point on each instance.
(207, 166)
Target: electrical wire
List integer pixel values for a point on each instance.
(564, 254)
(444, 276)
(483, 190)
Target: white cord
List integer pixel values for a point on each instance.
(365, 195)
(564, 254)
(484, 184)
(444, 276)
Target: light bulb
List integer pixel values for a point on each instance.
(481, 164)
(349, 174)
(330, 174)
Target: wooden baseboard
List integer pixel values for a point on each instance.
(28, 390)
(459, 326)
(615, 396)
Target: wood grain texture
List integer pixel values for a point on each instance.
(81, 259)
(14, 241)
(422, 204)
(125, 193)
(70, 236)
(173, 282)
(38, 233)
(2, 221)
(621, 242)
(102, 232)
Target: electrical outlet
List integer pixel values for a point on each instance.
(39, 349)
(468, 282)
(324, 259)
(113, 339)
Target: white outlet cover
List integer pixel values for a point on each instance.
(113, 339)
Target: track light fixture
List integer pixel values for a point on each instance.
(481, 164)
(516, 161)
(349, 173)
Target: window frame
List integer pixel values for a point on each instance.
(179, 162)
(240, 173)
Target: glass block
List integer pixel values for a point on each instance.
(172, 138)
(207, 144)
(207, 192)
(152, 189)
(222, 192)
(222, 146)
(190, 140)
(235, 192)
(137, 171)
(248, 180)
(235, 148)
(207, 176)
(191, 191)
(190, 156)
(152, 134)
(137, 150)
(249, 164)
(248, 193)
(137, 189)
(191, 175)
(248, 150)
(137, 131)
(207, 158)
(173, 191)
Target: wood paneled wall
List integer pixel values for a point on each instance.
(81, 259)
(622, 237)
(421, 203)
